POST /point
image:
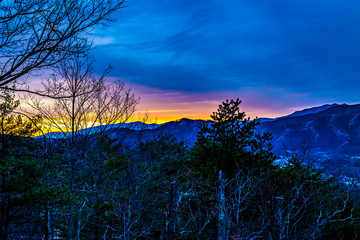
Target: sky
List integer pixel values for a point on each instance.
(184, 57)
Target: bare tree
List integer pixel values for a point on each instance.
(242, 190)
(85, 101)
(38, 34)
(312, 206)
(85, 106)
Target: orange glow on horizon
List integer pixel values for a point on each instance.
(163, 116)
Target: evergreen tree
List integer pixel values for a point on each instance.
(22, 173)
(231, 143)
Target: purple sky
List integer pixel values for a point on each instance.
(182, 58)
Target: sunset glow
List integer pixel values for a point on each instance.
(183, 58)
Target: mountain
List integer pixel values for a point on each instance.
(139, 126)
(330, 129)
(184, 130)
(327, 130)
(329, 136)
(330, 133)
(312, 110)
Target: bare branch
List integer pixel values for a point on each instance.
(39, 34)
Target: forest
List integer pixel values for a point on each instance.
(87, 184)
(90, 186)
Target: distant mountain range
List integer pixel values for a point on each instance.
(330, 132)
(313, 110)
(331, 129)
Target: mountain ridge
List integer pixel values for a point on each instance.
(333, 128)
(331, 133)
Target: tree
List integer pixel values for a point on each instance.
(22, 172)
(232, 151)
(167, 158)
(305, 203)
(259, 199)
(38, 34)
(85, 107)
(231, 144)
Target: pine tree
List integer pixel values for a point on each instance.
(231, 144)
(22, 173)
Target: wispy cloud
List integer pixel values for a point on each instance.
(308, 48)
(98, 41)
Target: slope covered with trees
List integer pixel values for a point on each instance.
(225, 187)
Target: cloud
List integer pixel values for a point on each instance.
(98, 41)
(309, 48)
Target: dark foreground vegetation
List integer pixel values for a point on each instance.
(225, 187)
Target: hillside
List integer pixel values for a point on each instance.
(328, 129)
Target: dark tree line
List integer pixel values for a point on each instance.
(161, 189)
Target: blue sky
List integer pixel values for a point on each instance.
(277, 56)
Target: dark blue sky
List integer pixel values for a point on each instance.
(277, 56)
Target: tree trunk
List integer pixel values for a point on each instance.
(48, 222)
(221, 207)
(278, 217)
(78, 227)
(175, 198)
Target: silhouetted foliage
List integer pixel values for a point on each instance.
(231, 143)
(23, 190)
(161, 189)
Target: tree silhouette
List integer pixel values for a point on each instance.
(231, 144)
(39, 34)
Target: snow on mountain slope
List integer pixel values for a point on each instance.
(312, 110)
